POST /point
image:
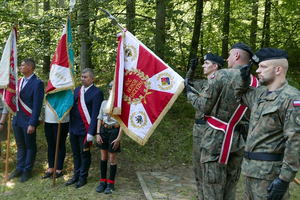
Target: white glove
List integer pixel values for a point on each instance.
(89, 137)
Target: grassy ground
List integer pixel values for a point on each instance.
(169, 147)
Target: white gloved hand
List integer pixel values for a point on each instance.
(89, 137)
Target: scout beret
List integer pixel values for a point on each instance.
(215, 58)
(242, 46)
(269, 54)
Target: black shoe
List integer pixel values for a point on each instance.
(101, 187)
(80, 183)
(57, 175)
(47, 175)
(72, 181)
(25, 176)
(110, 188)
(15, 174)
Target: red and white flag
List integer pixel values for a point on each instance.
(144, 89)
(8, 73)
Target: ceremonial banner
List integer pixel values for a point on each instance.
(8, 73)
(144, 89)
(59, 92)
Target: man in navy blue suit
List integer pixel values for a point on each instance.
(83, 125)
(30, 101)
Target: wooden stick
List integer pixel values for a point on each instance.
(56, 153)
(8, 146)
(297, 181)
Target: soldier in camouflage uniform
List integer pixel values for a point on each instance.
(211, 64)
(217, 99)
(273, 143)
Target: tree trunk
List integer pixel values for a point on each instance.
(130, 16)
(46, 64)
(196, 32)
(84, 31)
(225, 35)
(266, 27)
(61, 3)
(253, 31)
(160, 20)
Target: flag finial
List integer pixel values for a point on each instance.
(113, 19)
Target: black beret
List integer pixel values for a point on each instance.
(214, 58)
(242, 46)
(269, 54)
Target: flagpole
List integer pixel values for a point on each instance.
(8, 146)
(113, 19)
(56, 152)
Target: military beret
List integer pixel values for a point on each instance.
(242, 46)
(214, 58)
(269, 54)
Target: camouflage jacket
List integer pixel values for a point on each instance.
(274, 128)
(199, 85)
(217, 99)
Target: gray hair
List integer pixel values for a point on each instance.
(88, 70)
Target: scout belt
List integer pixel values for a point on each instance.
(263, 156)
(110, 126)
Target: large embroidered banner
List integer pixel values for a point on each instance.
(8, 73)
(144, 89)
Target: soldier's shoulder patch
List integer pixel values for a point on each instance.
(213, 76)
(297, 120)
(296, 103)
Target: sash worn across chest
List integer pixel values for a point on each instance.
(228, 128)
(22, 105)
(84, 113)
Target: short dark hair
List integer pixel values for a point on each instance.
(30, 62)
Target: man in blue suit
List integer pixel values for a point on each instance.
(83, 125)
(30, 101)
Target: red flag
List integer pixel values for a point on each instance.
(144, 89)
(8, 73)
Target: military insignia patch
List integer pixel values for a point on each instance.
(255, 58)
(296, 103)
(297, 120)
(213, 76)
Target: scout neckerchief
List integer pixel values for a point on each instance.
(23, 106)
(84, 113)
(228, 128)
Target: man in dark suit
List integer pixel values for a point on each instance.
(83, 125)
(30, 101)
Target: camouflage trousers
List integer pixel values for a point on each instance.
(219, 180)
(197, 132)
(256, 189)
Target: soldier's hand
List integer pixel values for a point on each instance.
(246, 71)
(277, 189)
(187, 87)
(194, 63)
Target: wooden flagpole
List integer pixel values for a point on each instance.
(56, 153)
(8, 146)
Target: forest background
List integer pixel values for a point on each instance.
(176, 30)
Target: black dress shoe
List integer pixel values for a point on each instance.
(47, 175)
(25, 176)
(57, 175)
(15, 174)
(80, 183)
(72, 181)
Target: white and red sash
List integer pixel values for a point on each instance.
(84, 113)
(23, 106)
(228, 128)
